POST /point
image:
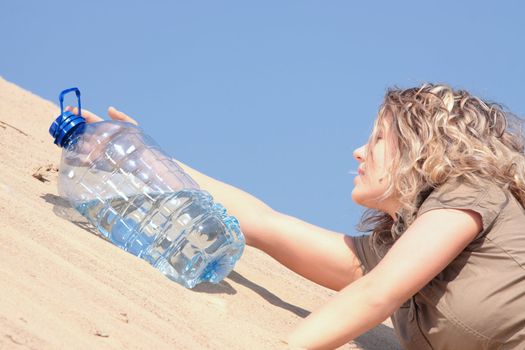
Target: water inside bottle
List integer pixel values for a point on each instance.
(183, 234)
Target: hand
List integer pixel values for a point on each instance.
(112, 112)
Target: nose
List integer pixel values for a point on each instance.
(359, 153)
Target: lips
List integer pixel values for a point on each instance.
(360, 171)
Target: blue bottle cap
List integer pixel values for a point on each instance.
(63, 126)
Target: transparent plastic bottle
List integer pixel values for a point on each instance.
(142, 201)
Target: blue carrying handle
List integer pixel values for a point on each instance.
(61, 98)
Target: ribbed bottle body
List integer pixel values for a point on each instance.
(143, 202)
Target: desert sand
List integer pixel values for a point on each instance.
(64, 287)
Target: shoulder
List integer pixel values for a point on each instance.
(479, 195)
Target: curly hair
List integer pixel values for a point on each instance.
(439, 134)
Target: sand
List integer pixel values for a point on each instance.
(64, 287)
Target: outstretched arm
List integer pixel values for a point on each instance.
(322, 256)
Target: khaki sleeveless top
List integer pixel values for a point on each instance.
(478, 301)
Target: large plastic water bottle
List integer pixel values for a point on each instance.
(142, 201)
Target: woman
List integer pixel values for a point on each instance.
(443, 176)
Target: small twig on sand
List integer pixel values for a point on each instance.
(17, 129)
(45, 170)
(40, 177)
(101, 334)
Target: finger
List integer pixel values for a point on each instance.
(118, 115)
(89, 116)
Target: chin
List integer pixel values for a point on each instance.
(363, 200)
(357, 198)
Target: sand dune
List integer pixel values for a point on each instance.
(63, 287)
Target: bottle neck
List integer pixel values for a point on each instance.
(72, 136)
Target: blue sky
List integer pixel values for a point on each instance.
(269, 96)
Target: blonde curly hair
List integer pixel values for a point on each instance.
(438, 134)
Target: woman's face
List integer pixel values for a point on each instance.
(371, 181)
